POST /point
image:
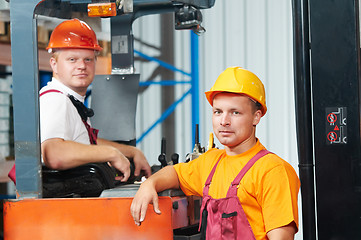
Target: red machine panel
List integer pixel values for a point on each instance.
(84, 218)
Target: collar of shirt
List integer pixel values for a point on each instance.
(56, 83)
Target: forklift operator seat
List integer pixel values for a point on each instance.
(88, 180)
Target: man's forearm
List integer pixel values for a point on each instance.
(283, 233)
(164, 179)
(60, 154)
(127, 150)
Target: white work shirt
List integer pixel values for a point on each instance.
(58, 116)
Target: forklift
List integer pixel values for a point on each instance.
(42, 209)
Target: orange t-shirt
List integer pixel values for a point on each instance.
(268, 192)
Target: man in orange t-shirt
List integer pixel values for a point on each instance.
(266, 192)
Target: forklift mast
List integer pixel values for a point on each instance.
(327, 91)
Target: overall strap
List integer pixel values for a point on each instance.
(50, 90)
(232, 191)
(92, 133)
(209, 179)
(83, 111)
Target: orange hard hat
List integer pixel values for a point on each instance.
(239, 80)
(73, 34)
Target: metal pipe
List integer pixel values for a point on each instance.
(303, 103)
(195, 82)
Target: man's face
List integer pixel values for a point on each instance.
(75, 68)
(234, 120)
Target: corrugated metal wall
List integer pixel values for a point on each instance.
(254, 34)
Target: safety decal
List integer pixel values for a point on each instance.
(120, 44)
(336, 125)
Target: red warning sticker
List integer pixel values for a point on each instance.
(332, 136)
(331, 118)
(336, 125)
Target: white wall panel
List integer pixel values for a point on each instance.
(256, 35)
(183, 111)
(146, 29)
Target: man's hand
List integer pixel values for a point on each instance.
(141, 163)
(145, 195)
(131, 152)
(122, 164)
(166, 178)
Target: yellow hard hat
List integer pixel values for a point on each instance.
(239, 80)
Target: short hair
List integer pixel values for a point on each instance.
(55, 53)
(255, 105)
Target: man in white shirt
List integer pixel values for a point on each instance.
(67, 139)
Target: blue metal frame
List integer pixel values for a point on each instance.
(195, 83)
(194, 89)
(161, 63)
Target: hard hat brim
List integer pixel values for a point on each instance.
(211, 94)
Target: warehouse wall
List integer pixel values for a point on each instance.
(5, 118)
(254, 34)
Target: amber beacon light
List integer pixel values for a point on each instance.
(102, 10)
